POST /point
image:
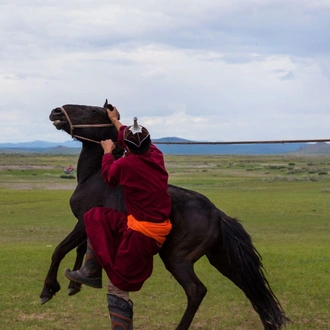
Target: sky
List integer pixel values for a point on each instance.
(204, 70)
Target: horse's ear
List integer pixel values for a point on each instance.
(107, 105)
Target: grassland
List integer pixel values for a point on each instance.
(282, 201)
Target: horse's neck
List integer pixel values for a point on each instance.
(90, 161)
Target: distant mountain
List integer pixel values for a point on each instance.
(170, 139)
(229, 149)
(40, 144)
(74, 147)
(315, 148)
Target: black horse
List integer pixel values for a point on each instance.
(199, 228)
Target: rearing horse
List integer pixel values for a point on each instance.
(199, 227)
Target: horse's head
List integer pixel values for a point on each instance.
(86, 123)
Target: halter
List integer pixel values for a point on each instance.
(72, 127)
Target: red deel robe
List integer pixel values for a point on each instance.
(125, 254)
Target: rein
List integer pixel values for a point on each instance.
(72, 127)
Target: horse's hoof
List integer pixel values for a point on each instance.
(43, 300)
(73, 291)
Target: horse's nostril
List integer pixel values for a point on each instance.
(57, 111)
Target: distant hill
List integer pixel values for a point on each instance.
(170, 139)
(230, 149)
(319, 148)
(40, 144)
(74, 147)
(67, 147)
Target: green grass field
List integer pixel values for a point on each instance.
(282, 201)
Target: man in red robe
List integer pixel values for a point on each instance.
(124, 243)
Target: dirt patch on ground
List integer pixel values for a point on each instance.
(27, 167)
(32, 186)
(27, 184)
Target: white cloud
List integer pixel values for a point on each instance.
(214, 70)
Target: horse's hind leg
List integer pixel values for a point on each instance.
(219, 260)
(183, 271)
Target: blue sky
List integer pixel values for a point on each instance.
(201, 70)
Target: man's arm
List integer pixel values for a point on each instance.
(110, 172)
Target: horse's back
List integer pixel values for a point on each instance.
(195, 226)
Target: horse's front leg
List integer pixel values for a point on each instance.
(183, 271)
(74, 239)
(75, 287)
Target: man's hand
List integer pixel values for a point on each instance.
(113, 116)
(108, 146)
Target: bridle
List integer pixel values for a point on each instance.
(72, 127)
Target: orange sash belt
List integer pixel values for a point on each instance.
(157, 231)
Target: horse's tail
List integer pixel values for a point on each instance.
(246, 261)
